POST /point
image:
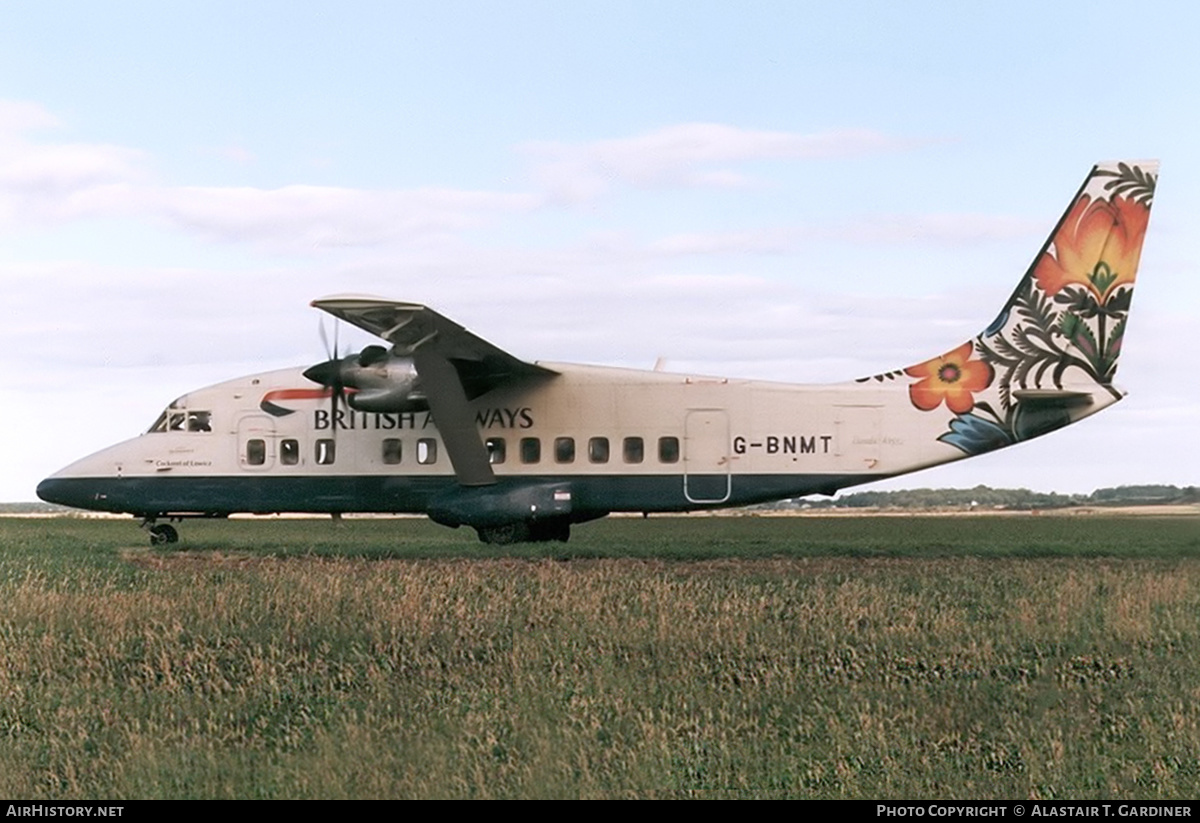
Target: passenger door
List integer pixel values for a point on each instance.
(256, 442)
(706, 456)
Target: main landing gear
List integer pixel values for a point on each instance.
(160, 533)
(526, 531)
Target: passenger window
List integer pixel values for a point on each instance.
(531, 450)
(256, 452)
(496, 449)
(326, 451)
(391, 451)
(598, 450)
(668, 449)
(564, 449)
(289, 452)
(426, 451)
(634, 450)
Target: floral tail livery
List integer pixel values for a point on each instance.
(1049, 357)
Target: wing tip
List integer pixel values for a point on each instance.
(352, 299)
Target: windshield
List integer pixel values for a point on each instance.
(177, 419)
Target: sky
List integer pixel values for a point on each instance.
(805, 192)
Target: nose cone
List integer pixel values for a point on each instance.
(45, 490)
(94, 493)
(96, 482)
(89, 483)
(60, 490)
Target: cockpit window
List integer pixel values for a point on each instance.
(176, 420)
(199, 421)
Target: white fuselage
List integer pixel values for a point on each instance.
(624, 440)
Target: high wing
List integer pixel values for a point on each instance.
(454, 367)
(411, 326)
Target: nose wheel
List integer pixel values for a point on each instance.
(162, 533)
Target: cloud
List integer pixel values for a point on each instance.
(884, 229)
(325, 216)
(20, 116)
(944, 229)
(44, 182)
(688, 154)
(52, 183)
(237, 154)
(763, 241)
(48, 183)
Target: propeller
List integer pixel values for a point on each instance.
(329, 372)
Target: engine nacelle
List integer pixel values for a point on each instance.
(384, 383)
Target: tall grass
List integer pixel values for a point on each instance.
(665, 658)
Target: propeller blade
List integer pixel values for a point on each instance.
(335, 396)
(324, 338)
(329, 373)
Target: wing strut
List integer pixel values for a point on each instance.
(452, 416)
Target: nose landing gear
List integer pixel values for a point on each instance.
(160, 533)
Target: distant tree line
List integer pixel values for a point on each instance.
(36, 507)
(989, 498)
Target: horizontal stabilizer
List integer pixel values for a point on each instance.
(1053, 397)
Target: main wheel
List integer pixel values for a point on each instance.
(548, 530)
(506, 534)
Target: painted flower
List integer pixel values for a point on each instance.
(953, 377)
(972, 434)
(1097, 246)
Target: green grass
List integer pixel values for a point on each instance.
(936, 657)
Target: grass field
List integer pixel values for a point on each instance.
(908, 657)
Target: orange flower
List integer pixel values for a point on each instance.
(952, 377)
(1098, 246)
